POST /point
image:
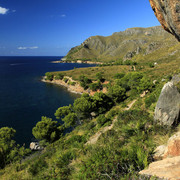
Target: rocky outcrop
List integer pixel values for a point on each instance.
(168, 14)
(173, 146)
(171, 149)
(168, 155)
(168, 169)
(167, 111)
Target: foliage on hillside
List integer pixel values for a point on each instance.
(127, 147)
(118, 154)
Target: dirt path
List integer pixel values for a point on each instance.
(93, 139)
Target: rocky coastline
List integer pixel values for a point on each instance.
(77, 61)
(75, 88)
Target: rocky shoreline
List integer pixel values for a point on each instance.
(76, 88)
(78, 61)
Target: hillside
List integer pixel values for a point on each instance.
(133, 43)
(112, 134)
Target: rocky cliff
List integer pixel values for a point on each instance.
(168, 14)
(126, 44)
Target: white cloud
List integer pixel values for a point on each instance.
(24, 48)
(3, 10)
(63, 15)
(34, 47)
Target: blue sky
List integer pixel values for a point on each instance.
(52, 27)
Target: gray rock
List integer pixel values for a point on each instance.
(167, 111)
(35, 146)
(129, 55)
(176, 79)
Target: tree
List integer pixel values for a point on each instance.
(117, 93)
(83, 106)
(101, 103)
(70, 120)
(9, 150)
(95, 86)
(47, 130)
(63, 111)
(6, 144)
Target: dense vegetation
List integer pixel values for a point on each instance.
(118, 154)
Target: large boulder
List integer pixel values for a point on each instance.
(168, 14)
(167, 111)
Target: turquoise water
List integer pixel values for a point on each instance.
(24, 98)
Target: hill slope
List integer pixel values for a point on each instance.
(129, 44)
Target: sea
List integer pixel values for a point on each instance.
(24, 98)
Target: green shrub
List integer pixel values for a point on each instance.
(95, 86)
(119, 75)
(37, 166)
(101, 120)
(84, 81)
(99, 76)
(65, 80)
(151, 65)
(59, 76)
(49, 76)
(71, 83)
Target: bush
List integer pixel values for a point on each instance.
(95, 86)
(65, 80)
(84, 81)
(37, 166)
(151, 65)
(101, 120)
(59, 76)
(72, 83)
(99, 76)
(49, 76)
(119, 75)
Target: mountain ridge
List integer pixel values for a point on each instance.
(122, 45)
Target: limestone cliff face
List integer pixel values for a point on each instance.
(168, 14)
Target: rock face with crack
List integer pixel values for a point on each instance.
(168, 14)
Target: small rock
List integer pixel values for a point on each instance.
(159, 152)
(35, 146)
